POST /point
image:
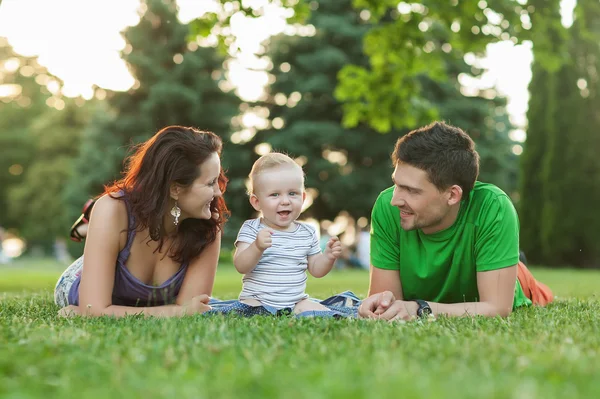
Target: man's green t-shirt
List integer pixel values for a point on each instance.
(442, 267)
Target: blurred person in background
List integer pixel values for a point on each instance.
(3, 258)
(363, 250)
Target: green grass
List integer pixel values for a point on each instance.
(538, 352)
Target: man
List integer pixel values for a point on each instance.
(442, 242)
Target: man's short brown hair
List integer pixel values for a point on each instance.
(445, 152)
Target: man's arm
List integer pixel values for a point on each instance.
(384, 288)
(496, 252)
(496, 288)
(385, 280)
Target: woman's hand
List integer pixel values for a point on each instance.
(198, 305)
(69, 311)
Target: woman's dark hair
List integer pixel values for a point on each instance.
(173, 155)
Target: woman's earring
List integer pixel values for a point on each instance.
(176, 212)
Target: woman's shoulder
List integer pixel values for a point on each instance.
(111, 208)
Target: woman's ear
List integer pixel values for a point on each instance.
(254, 202)
(174, 191)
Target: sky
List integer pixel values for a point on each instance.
(79, 42)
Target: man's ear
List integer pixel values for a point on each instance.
(254, 202)
(174, 191)
(303, 196)
(455, 194)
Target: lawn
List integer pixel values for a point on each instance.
(547, 353)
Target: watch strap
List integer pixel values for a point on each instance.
(423, 308)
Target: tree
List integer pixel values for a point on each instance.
(549, 52)
(560, 171)
(176, 83)
(482, 115)
(406, 44)
(39, 201)
(584, 140)
(22, 99)
(348, 167)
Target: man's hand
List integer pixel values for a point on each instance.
(400, 310)
(263, 239)
(385, 306)
(333, 250)
(376, 304)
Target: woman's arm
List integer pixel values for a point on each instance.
(197, 305)
(107, 235)
(200, 275)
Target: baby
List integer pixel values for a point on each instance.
(274, 251)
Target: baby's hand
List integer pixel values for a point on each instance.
(333, 249)
(263, 239)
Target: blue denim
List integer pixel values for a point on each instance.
(341, 305)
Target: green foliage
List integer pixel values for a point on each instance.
(317, 124)
(486, 121)
(410, 42)
(23, 101)
(348, 167)
(560, 170)
(217, 22)
(38, 202)
(584, 139)
(177, 83)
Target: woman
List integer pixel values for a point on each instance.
(153, 239)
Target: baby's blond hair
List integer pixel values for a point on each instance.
(267, 162)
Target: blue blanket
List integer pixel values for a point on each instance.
(340, 306)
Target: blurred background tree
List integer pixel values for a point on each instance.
(22, 99)
(348, 167)
(560, 175)
(39, 134)
(346, 79)
(39, 201)
(176, 83)
(411, 40)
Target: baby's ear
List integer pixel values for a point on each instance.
(254, 202)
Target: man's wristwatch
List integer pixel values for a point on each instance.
(424, 309)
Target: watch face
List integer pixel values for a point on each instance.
(424, 310)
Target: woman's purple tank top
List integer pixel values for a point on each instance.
(128, 290)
